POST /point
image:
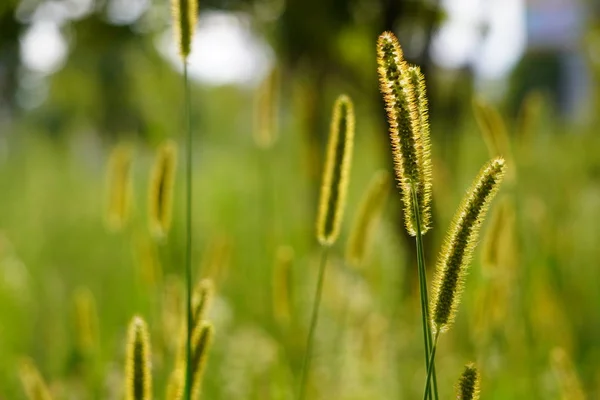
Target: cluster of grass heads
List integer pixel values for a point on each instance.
(280, 317)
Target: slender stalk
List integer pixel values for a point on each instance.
(430, 366)
(188, 246)
(423, 291)
(313, 323)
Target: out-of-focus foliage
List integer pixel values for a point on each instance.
(538, 294)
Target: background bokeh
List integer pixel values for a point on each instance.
(79, 77)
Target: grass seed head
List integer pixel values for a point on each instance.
(118, 183)
(185, 17)
(403, 90)
(337, 172)
(467, 387)
(460, 243)
(266, 110)
(33, 384)
(201, 341)
(86, 320)
(367, 218)
(162, 183)
(138, 378)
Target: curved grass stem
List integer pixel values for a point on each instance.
(313, 324)
(427, 339)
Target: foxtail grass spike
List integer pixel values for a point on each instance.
(201, 299)
(86, 320)
(467, 387)
(282, 285)
(33, 384)
(138, 378)
(118, 182)
(162, 183)
(460, 243)
(367, 218)
(529, 115)
(566, 375)
(337, 172)
(202, 339)
(495, 243)
(266, 111)
(493, 129)
(406, 108)
(185, 17)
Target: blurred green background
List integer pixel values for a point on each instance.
(79, 77)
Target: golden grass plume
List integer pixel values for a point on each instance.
(566, 375)
(282, 284)
(337, 172)
(118, 184)
(138, 377)
(33, 384)
(185, 17)
(468, 384)
(367, 218)
(405, 100)
(460, 243)
(86, 320)
(162, 182)
(266, 110)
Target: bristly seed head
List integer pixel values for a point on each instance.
(467, 387)
(337, 172)
(368, 215)
(403, 90)
(161, 189)
(138, 378)
(33, 384)
(185, 16)
(460, 242)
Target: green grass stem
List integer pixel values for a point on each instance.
(313, 324)
(430, 366)
(424, 297)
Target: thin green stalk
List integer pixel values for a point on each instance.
(423, 291)
(313, 323)
(188, 246)
(430, 366)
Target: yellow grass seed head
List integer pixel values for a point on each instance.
(406, 107)
(201, 342)
(33, 384)
(201, 300)
(185, 17)
(138, 378)
(337, 172)
(86, 320)
(468, 384)
(266, 110)
(566, 375)
(118, 184)
(162, 183)
(367, 218)
(283, 284)
(460, 242)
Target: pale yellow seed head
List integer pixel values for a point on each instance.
(403, 90)
(337, 172)
(367, 218)
(162, 184)
(460, 242)
(266, 111)
(33, 384)
(138, 377)
(185, 17)
(566, 375)
(282, 285)
(86, 320)
(118, 186)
